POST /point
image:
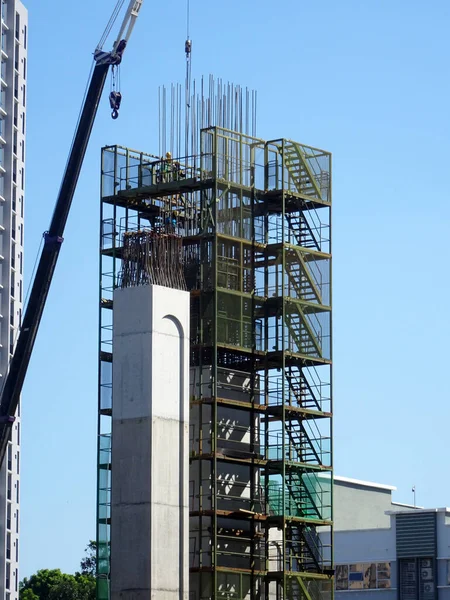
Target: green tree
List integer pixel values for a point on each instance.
(74, 587)
(86, 585)
(28, 594)
(40, 584)
(51, 584)
(89, 562)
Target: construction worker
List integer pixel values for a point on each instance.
(167, 167)
(178, 172)
(171, 222)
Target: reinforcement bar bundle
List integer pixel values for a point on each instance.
(152, 258)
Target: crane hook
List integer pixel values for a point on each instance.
(115, 98)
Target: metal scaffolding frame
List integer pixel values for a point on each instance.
(254, 218)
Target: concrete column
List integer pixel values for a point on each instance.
(150, 470)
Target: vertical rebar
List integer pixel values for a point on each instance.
(207, 103)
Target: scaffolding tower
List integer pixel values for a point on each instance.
(254, 217)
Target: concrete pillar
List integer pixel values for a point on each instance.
(150, 470)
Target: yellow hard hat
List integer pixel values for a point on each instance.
(168, 155)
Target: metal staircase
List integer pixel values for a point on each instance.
(303, 494)
(299, 588)
(300, 278)
(303, 338)
(300, 173)
(303, 392)
(302, 231)
(304, 448)
(304, 548)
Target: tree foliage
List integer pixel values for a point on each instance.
(51, 584)
(89, 562)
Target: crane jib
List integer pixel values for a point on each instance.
(12, 388)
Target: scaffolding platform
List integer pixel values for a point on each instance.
(254, 218)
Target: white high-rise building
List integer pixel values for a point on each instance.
(14, 20)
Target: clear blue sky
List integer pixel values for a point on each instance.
(367, 81)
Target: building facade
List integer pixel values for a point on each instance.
(14, 23)
(387, 550)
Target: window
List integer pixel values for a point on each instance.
(4, 70)
(22, 178)
(22, 144)
(16, 87)
(24, 94)
(363, 576)
(17, 26)
(15, 170)
(16, 58)
(9, 492)
(4, 11)
(16, 113)
(15, 141)
(25, 37)
(16, 582)
(9, 457)
(17, 492)
(13, 227)
(8, 515)
(13, 256)
(14, 198)
(8, 576)
(18, 433)
(20, 291)
(17, 514)
(21, 263)
(17, 550)
(21, 206)
(24, 68)
(21, 235)
(23, 123)
(8, 546)
(4, 41)
(18, 471)
(11, 312)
